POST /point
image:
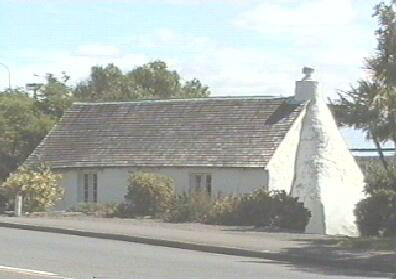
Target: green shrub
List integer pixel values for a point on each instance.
(122, 210)
(3, 201)
(376, 214)
(378, 178)
(224, 211)
(39, 187)
(150, 194)
(260, 208)
(288, 212)
(96, 209)
(188, 208)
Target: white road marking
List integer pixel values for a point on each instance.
(31, 272)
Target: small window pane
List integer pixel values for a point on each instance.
(95, 188)
(86, 186)
(209, 185)
(198, 179)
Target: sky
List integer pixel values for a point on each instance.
(236, 47)
(243, 47)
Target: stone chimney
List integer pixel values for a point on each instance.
(306, 88)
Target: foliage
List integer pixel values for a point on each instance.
(261, 208)
(155, 80)
(55, 97)
(3, 202)
(378, 178)
(22, 126)
(150, 194)
(368, 243)
(225, 211)
(96, 209)
(39, 187)
(151, 81)
(123, 210)
(193, 89)
(376, 214)
(188, 208)
(106, 84)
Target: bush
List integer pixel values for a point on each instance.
(150, 194)
(376, 214)
(224, 211)
(260, 208)
(378, 178)
(95, 209)
(3, 203)
(39, 188)
(123, 210)
(188, 208)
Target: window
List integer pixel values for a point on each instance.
(201, 182)
(90, 187)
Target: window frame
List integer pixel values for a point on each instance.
(89, 189)
(205, 183)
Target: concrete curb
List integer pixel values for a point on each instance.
(303, 259)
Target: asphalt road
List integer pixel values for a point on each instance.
(37, 255)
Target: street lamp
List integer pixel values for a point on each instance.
(9, 74)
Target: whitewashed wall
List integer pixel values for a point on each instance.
(328, 180)
(281, 166)
(113, 182)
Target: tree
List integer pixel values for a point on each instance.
(155, 80)
(383, 67)
(150, 81)
(194, 89)
(39, 187)
(371, 105)
(360, 108)
(55, 96)
(105, 84)
(22, 127)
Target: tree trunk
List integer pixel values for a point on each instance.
(380, 153)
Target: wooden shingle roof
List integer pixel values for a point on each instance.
(207, 132)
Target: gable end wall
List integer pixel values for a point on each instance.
(281, 167)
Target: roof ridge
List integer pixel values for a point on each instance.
(185, 99)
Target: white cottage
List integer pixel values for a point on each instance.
(220, 145)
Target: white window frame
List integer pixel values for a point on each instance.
(89, 187)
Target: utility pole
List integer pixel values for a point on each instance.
(9, 74)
